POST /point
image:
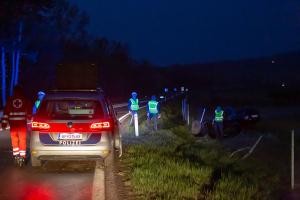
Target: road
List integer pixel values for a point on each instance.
(74, 180)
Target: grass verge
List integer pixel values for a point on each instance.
(172, 165)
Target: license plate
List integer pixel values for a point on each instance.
(70, 142)
(70, 136)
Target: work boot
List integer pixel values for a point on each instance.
(21, 161)
(16, 160)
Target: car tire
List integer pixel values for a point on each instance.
(117, 142)
(35, 162)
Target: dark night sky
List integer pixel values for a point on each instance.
(177, 31)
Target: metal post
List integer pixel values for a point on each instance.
(201, 120)
(136, 124)
(293, 160)
(188, 114)
(185, 109)
(183, 112)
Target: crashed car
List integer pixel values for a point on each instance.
(231, 128)
(234, 122)
(248, 116)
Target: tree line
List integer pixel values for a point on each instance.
(38, 36)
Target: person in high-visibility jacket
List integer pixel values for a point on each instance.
(153, 112)
(16, 112)
(133, 105)
(37, 103)
(218, 122)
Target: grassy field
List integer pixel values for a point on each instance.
(171, 164)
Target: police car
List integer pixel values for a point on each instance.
(74, 125)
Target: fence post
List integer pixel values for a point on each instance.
(188, 114)
(293, 160)
(184, 109)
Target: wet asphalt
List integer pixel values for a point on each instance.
(55, 180)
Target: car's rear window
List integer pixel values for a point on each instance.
(71, 109)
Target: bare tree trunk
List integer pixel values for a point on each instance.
(18, 55)
(13, 71)
(16, 77)
(3, 70)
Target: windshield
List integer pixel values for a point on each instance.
(71, 109)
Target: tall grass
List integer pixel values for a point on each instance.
(172, 165)
(234, 188)
(157, 173)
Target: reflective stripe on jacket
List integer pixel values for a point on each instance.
(134, 105)
(37, 104)
(219, 116)
(152, 107)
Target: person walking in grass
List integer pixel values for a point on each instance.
(133, 106)
(153, 112)
(218, 122)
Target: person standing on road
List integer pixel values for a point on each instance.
(152, 112)
(218, 122)
(133, 106)
(16, 113)
(37, 103)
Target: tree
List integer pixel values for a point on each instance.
(29, 28)
(3, 72)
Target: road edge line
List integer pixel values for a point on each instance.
(98, 192)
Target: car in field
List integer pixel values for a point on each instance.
(230, 127)
(248, 116)
(74, 125)
(234, 122)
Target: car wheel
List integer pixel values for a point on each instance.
(35, 162)
(117, 142)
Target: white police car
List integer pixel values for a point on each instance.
(74, 125)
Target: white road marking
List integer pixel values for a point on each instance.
(127, 114)
(124, 116)
(121, 105)
(99, 182)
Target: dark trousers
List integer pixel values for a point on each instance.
(218, 127)
(132, 116)
(152, 117)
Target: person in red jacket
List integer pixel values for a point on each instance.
(16, 113)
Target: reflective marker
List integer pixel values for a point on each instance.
(182, 89)
(136, 124)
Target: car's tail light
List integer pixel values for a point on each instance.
(101, 125)
(37, 126)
